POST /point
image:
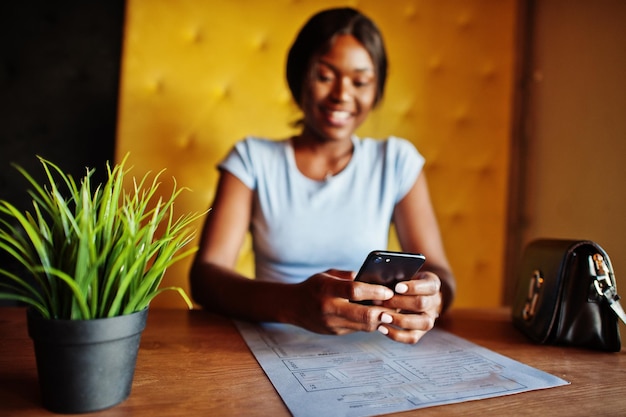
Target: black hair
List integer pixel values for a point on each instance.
(316, 37)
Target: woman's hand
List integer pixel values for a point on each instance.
(323, 304)
(414, 308)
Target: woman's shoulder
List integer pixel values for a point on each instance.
(255, 145)
(262, 142)
(391, 145)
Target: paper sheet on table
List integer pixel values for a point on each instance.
(366, 374)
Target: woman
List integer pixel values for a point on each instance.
(318, 202)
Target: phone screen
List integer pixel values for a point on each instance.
(388, 268)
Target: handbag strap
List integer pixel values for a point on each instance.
(604, 284)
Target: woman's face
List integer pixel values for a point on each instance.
(341, 91)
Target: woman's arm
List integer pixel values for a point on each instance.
(215, 284)
(321, 303)
(419, 302)
(418, 231)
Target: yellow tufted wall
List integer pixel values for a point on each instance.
(199, 75)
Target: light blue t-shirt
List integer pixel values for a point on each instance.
(301, 226)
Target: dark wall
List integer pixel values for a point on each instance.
(59, 78)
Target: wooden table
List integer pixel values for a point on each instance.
(193, 363)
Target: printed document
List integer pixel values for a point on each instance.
(367, 374)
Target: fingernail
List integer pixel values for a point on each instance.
(383, 330)
(401, 288)
(386, 318)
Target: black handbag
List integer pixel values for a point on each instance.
(566, 295)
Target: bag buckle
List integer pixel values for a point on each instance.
(604, 284)
(534, 286)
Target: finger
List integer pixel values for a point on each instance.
(426, 283)
(362, 291)
(342, 274)
(356, 291)
(364, 318)
(414, 321)
(408, 328)
(415, 303)
(402, 336)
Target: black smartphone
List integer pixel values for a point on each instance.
(388, 268)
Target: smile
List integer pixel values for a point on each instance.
(338, 116)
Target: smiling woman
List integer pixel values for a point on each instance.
(198, 76)
(336, 70)
(341, 92)
(335, 102)
(318, 202)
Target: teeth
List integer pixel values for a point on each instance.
(340, 115)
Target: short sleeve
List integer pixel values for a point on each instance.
(239, 163)
(408, 163)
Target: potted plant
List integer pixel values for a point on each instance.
(95, 256)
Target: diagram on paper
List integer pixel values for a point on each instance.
(364, 374)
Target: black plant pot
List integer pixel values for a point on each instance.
(85, 365)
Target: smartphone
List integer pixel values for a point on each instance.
(388, 268)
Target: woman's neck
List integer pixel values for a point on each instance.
(319, 159)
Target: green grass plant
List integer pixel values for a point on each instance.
(93, 250)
